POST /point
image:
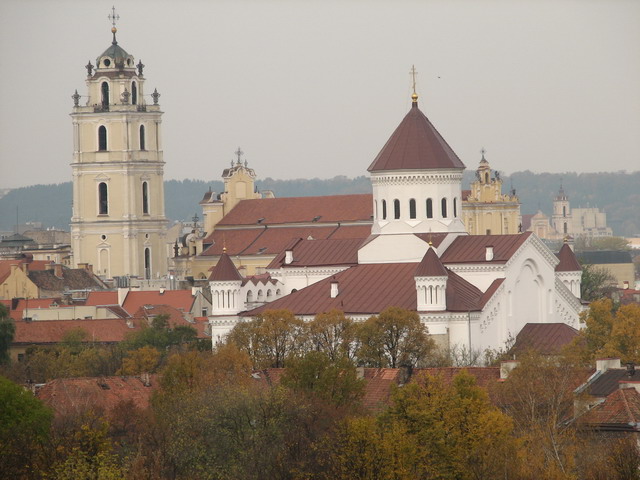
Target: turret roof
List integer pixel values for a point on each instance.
(225, 270)
(430, 265)
(568, 260)
(415, 145)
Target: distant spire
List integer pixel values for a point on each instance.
(414, 95)
(114, 17)
(483, 151)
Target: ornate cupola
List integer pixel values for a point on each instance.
(431, 283)
(225, 282)
(118, 223)
(416, 179)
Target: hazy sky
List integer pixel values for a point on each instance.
(315, 88)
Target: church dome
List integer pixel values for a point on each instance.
(115, 56)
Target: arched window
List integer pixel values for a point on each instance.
(486, 177)
(145, 198)
(565, 227)
(384, 209)
(134, 93)
(444, 208)
(105, 94)
(142, 142)
(396, 209)
(102, 138)
(103, 199)
(147, 263)
(249, 296)
(455, 207)
(412, 208)
(564, 211)
(429, 208)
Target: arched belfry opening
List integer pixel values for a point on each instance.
(134, 93)
(104, 89)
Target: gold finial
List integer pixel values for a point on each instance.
(414, 95)
(114, 17)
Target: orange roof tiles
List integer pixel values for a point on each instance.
(33, 265)
(102, 298)
(329, 209)
(75, 395)
(472, 248)
(181, 299)
(621, 409)
(53, 331)
(415, 145)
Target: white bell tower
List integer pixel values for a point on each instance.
(118, 223)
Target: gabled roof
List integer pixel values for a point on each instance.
(53, 331)
(430, 265)
(33, 265)
(180, 299)
(544, 338)
(75, 395)
(291, 210)
(225, 270)
(311, 253)
(370, 288)
(608, 382)
(620, 409)
(72, 279)
(415, 145)
(472, 248)
(568, 260)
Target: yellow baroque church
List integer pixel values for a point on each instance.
(118, 223)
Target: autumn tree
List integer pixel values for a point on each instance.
(270, 339)
(334, 334)
(596, 283)
(393, 338)
(143, 360)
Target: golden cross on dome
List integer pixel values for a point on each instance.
(239, 153)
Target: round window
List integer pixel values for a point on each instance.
(106, 62)
(146, 235)
(103, 237)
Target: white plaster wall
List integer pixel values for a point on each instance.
(393, 249)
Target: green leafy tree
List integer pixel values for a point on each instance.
(334, 334)
(596, 283)
(316, 374)
(394, 338)
(24, 431)
(7, 331)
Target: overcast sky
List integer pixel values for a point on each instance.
(315, 88)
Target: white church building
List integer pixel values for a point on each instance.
(473, 291)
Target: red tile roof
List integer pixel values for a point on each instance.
(180, 299)
(430, 265)
(266, 241)
(544, 338)
(568, 260)
(176, 318)
(415, 145)
(102, 298)
(329, 209)
(33, 265)
(19, 305)
(75, 395)
(52, 331)
(620, 409)
(310, 253)
(472, 248)
(369, 289)
(225, 270)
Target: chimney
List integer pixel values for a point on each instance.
(57, 270)
(625, 284)
(506, 367)
(288, 257)
(334, 288)
(122, 294)
(604, 364)
(25, 267)
(488, 254)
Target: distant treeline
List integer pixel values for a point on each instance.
(617, 193)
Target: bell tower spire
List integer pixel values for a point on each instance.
(118, 222)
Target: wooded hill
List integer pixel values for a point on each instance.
(617, 193)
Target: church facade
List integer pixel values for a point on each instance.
(473, 291)
(118, 223)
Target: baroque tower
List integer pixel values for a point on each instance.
(118, 223)
(562, 218)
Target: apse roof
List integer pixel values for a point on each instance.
(415, 145)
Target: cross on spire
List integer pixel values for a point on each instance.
(239, 153)
(483, 151)
(113, 16)
(413, 73)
